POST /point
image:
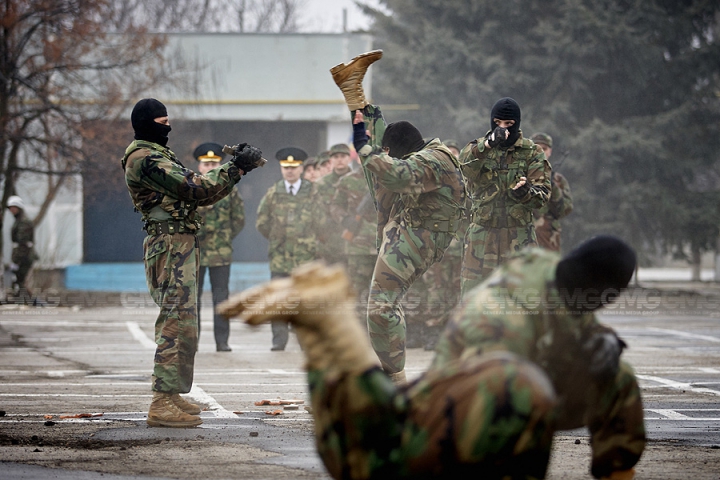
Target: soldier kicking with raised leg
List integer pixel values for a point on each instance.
(419, 195)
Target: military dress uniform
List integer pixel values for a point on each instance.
(222, 222)
(519, 310)
(420, 201)
(500, 224)
(289, 221)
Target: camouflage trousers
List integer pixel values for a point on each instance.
(405, 254)
(613, 413)
(487, 417)
(547, 236)
(171, 271)
(360, 270)
(487, 248)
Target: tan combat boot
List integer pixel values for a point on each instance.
(164, 413)
(349, 77)
(184, 405)
(319, 302)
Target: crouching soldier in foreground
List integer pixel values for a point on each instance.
(541, 308)
(487, 416)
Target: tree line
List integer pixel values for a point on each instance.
(629, 90)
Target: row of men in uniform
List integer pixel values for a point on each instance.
(322, 209)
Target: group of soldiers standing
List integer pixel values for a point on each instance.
(522, 355)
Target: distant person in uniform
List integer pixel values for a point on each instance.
(22, 236)
(222, 222)
(332, 246)
(310, 172)
(288, 217)
(324, 165)
(167, 195)
(547, 218)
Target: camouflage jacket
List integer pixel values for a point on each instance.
(349, 194)
(329, 235)
(518, 309)
(422, 186)
(161, 188)
(221, 223)
(290, 223)
(22, 236)
(492, 173)
(558, 206)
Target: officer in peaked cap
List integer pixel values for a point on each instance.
(291, 156)
(222, 222)
(286, 217)
(209, 152)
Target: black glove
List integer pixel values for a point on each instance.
(498, 136)
(360, 138)
(520, 192)
(603, 351)
(247, 157)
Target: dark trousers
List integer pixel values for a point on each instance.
(280, 328)
(219, 280)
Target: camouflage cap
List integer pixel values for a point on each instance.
(310, 162)
(543, 138)
(291, 156)
(209, 152)
(339, 148)
(323, 158)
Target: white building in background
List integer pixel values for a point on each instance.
(243, 77)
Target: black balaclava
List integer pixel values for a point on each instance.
(143, 121)
(595, 272)
(506, 109)
(402, 138)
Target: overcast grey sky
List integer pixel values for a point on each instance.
(327, 15)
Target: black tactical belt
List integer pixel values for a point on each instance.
(168, 227)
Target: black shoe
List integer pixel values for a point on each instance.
(223, 348)
(277, 348)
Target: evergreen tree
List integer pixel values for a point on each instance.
(630, 89)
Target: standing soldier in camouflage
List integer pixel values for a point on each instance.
(352, 207)
(443, 280)
(287, 217)
(310, 172)
(487, 417)
(508, 177)
(541, 308)
(221, 224)
(323, 166)
(419, 195)
(547, 218)
(332, 246)
(168, 195)
(22, 257)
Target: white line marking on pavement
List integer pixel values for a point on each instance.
(678, 385)
(709, 370)
(670, 414)
(139, 335)
(686, 334)
(198, 394)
